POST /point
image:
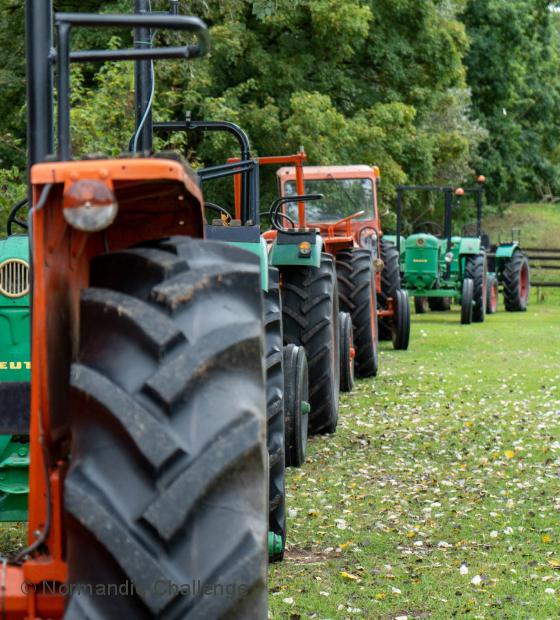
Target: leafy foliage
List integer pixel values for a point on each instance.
(512, 70)
(418, 88)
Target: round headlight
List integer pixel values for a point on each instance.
(367, 237)
(449, 257)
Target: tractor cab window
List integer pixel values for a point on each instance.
(343, 197)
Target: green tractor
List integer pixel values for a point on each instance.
(15, 370)
(439, 267)
(507, 263)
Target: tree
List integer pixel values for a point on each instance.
(512, 71)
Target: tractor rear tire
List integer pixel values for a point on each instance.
(516, 283)
(296, 405)
(167, 481)
(476, 270)
(274, 349)
(310, 311)
(358, 297)
(492, 295)
(390, 284)
(420, 305)
(439, 304)
(467, 302)
(401, 321)
(346, 352)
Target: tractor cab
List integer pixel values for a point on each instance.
(349, 205)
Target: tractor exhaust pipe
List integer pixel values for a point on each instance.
(143, 81)
(39, 38)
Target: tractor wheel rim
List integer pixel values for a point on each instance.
(494, 296)
(352, 355)
(373, 313)
(523, 282)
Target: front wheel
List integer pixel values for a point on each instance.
(492, 295)
(168, 475)
(401, 321)
(476, 270)
(296, 405)
(347, 352)
(439, 304)
(420, 305)
(467, 302)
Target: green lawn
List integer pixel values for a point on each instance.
(450, 458)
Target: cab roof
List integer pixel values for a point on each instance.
(323, 172)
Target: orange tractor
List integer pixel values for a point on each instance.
(348, 220)
(147, 479)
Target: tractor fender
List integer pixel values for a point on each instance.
(507, 250)
(469, 245)
(285, 254)
(261, 250)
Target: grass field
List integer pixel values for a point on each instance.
(439, 497)
(539, 224)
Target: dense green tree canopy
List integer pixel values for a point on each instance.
(431, 91)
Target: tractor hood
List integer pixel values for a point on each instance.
(16, 246)
(422, 240)
(14, 272)
(14, 309)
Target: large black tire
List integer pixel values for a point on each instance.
(476, 270)
(168, 477)
(439, 304)
(467, 302)
(358, 297)
(492, 293)
(390, 284)
(310, 311)
(516, 281)
(420, 305)
(274, 349)
(401, 321)
(347, 351)
(296, 404)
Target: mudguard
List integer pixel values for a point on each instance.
(507, 250)
(261, 250)
(469, 245)
(285, 250)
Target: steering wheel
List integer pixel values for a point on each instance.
(274, 218)
(430, 228)
(276, 215)
(13, 218)
(214, 207)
